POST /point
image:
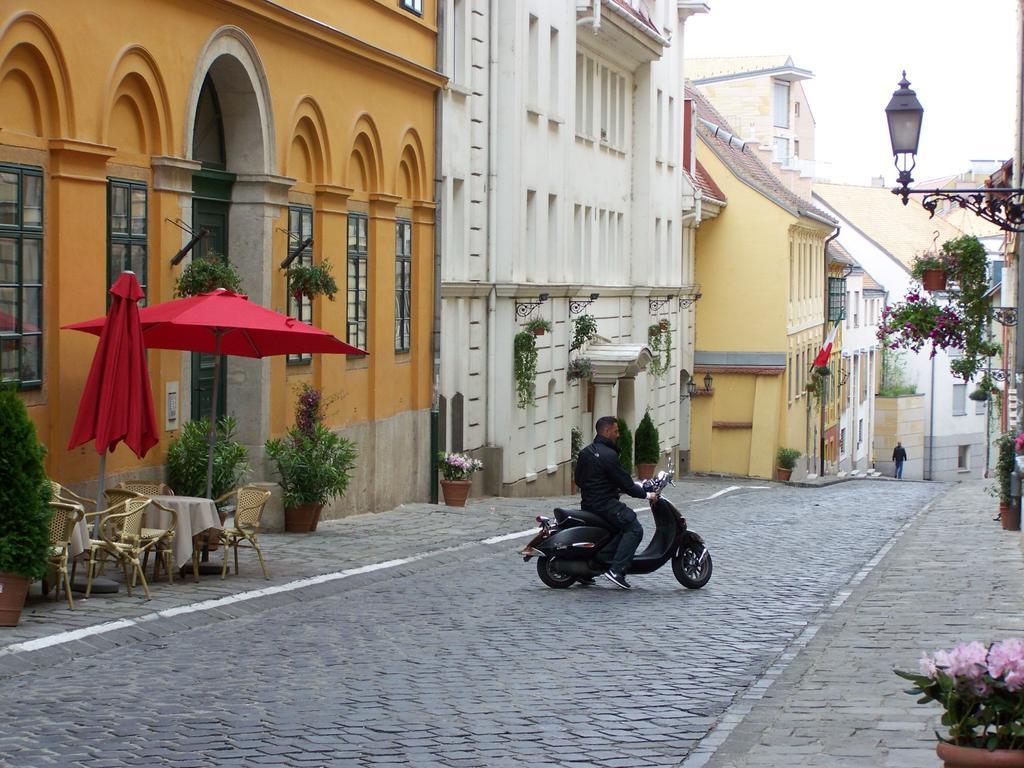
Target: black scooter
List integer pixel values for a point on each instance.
(579, 544)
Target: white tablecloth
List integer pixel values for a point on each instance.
(79, 539)
(195, 515)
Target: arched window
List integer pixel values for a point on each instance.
(208, 138)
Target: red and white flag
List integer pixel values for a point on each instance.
(826, 348)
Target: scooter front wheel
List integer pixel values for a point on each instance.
(550, 574)
(689, 569)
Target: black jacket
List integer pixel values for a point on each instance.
(899, 454)
(600, 477)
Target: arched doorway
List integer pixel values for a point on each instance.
(229, 134)
(211, 205)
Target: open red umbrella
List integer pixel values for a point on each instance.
(117, 403)
(226, 323)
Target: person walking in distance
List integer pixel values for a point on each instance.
(601, 479)
(899, 455)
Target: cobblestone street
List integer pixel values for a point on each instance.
(459, 658)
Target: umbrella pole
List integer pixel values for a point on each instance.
(99, 493)
(213, 418)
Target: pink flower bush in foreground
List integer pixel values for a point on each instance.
(981, 689)
(457, 466)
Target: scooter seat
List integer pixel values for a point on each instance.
(582, 516)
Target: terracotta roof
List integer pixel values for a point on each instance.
(902, 231)
(639, 10)
(707, 185)
(745, 164)
(717, 66)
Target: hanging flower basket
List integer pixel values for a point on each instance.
(934, 279)
(538, 327)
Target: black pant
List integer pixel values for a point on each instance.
(628, 534)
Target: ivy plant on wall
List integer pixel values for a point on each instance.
(659, 339)
(584, 330)
(524, 369)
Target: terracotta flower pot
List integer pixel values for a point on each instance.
(538, 331)
(783, 474)
(302, 519)
(1004, 510)
(933, 279)
(456, 492)
(1011, 520)
(13, 590)
(645, 471)
(972, 757)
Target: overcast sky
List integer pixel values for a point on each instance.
(960, 58)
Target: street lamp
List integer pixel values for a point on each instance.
(1004, 207)
(691, 386)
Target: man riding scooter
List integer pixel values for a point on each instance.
(601, 479)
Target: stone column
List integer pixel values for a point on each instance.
(258, 203)
(603, 404)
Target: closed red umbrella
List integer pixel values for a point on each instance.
(117, 403)
(226, 323)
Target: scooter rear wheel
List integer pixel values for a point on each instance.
(689, 570)
(547, 569)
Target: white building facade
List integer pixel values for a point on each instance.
(561, 178)
(954, 426)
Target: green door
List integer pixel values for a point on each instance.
(211, 215)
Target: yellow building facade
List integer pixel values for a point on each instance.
(760, 264)
(128, 125)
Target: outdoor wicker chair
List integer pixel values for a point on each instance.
(243, 528)
(121, 536)
(146, 487)
(159, 540)
(62, 524)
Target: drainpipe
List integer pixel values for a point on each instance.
(931, 421)
(595, 19)
(435, 336)
(824, 334)
(492, 217)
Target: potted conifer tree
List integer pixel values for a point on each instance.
(24, 500)
(646, 448)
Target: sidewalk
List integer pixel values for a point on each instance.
(354, 542)
(832, 699)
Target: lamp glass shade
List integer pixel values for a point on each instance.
(691, 388)
(708, 381)
(904, 115)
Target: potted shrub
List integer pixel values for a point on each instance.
(206, 274)
(312, 280)
(538, 326)
(457, 476)
(1005, 463)
(647, 448)
(579, 368)
(575, 445)
(979, 688)
(187, 457)
(524, 367)
(314, 464)
(785, 460)
(25, 493)
(625, 443)
(930, 269)
(584, 329)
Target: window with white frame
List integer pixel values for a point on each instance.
(403, 285)
(963, 458)
(300, 233)
(533, 62)
(959, 399)
(781, 149)
(601, 94)
(780, 111)
(554, 79)
(416, 6)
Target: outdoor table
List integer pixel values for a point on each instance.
(195, 515)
